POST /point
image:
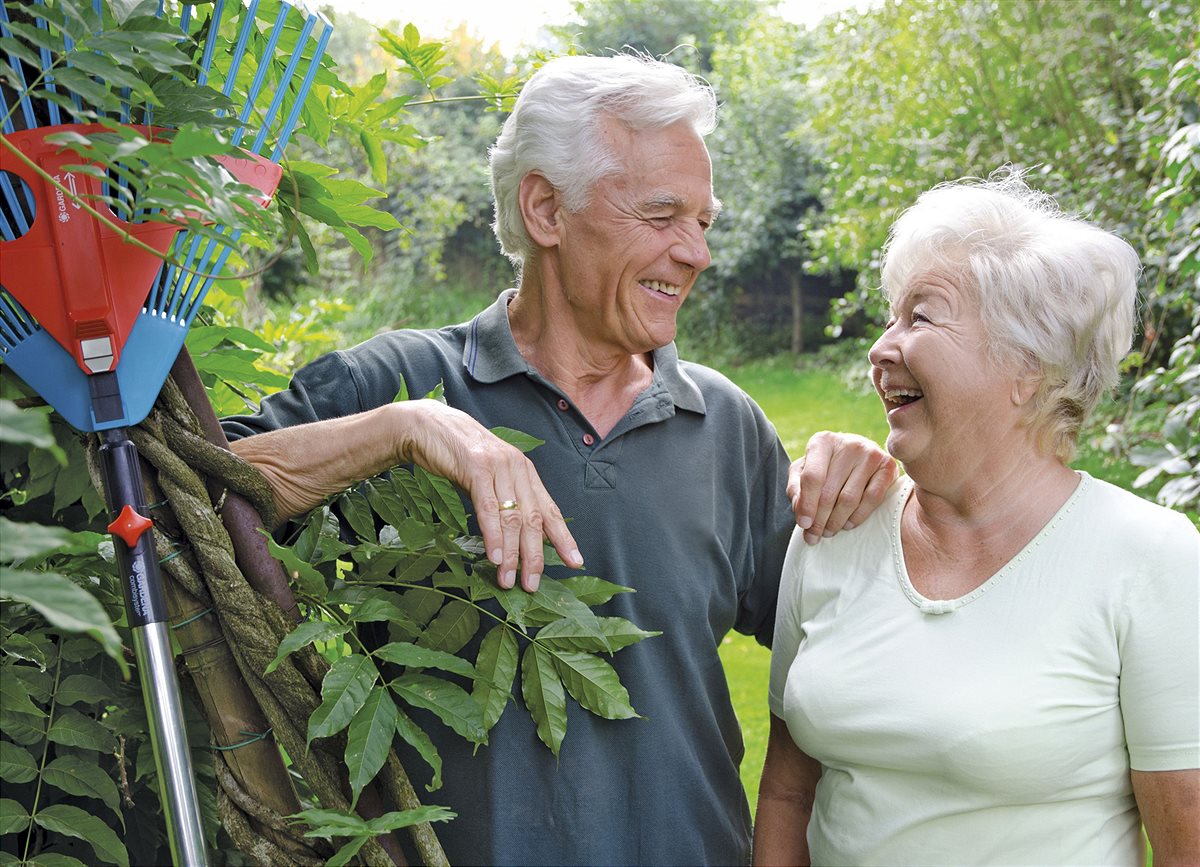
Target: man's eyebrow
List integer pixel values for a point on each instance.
(667, 201)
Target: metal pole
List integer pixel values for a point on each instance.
(147, 612)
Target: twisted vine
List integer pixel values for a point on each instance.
(251, 626)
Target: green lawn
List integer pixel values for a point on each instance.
(799, 403)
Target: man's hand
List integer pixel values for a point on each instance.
(307, 463)
(513, 508)
(841, 479)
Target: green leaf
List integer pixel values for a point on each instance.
(343, 692)
(77, 776)
(453, 627)
(594, 684)
(404, 818)
(522, 441)
(369, 740)
(56, 859)
(304, 635)
(569, 635)
(73, 729)
(332, 823)
(18, 646)
(346, 854)
(496, 668)
(31, 427)
(77, 688)
(13, 816)
(357, 511)
(15, 697)
(74, 822)
(556, 600)
(16, 764)
(591, 590)
(376, 604)
(309, 579)
(376, 158)
(403, 653)
(416, 738)
(445, 499)
(449, 702)
(190, 141)
(544, 696)
(66, 605)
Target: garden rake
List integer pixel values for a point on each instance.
(93, 323)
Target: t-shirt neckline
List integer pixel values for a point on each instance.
(945, 606)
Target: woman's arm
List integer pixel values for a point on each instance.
(785, 800)
(1169, 802)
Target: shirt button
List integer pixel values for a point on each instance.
(563, 405)
(588, 439)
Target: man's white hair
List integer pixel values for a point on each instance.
(1056, 294)
(554, 128)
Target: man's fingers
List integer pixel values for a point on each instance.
(840, 480)
(876, 489)
(511, 526)
(806, 477)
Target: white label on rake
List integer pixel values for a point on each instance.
(64, 216)
(97, 354)
(70, 179)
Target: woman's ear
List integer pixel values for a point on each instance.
(1025, 386)
(539, 209)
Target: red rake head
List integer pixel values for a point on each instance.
(81, 279)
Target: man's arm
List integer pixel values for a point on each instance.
(1169, 802)
(785, 801)
(307, 463)
(841, 479)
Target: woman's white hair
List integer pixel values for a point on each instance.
(554, 128)
(1056, 294)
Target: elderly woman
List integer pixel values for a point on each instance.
(1001, 665)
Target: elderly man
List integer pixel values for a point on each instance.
(674, 478)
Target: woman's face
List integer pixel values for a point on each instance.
(949, 409)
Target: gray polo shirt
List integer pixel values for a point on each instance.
(683, 500)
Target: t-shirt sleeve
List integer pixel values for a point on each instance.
(788, 617)
(1159, 645)
(771, 523)
(322, 389)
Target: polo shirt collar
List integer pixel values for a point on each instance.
(491, 354)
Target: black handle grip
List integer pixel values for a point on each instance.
(140, 579)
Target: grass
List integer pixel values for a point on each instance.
(799, 402)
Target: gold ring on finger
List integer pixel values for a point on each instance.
(508, 505)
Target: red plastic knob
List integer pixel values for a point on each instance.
(129, 525)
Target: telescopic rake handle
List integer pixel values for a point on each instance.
(146, 610)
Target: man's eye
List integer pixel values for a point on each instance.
(919, 317)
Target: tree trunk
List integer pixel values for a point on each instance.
(797, 313)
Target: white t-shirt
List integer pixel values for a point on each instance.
(999, 727)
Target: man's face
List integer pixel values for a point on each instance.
(628, 259)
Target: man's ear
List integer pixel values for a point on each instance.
(539, 209)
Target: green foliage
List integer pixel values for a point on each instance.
(414, 565)
(78, 775)
(1099, 99)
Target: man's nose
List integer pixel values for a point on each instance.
(692, 250)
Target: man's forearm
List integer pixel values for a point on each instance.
(307, 463)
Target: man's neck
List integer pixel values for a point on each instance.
(601, 382)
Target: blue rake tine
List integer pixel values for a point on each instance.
(185, 300)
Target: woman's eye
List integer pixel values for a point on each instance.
(919, 317)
